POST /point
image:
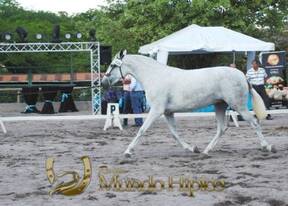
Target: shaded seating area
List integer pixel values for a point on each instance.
(46, 86)
(49, 94)
(67, 102)
(30, 96)
(109, 96)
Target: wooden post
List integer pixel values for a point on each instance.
(18, 96)
(30, 78)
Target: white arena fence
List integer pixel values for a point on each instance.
(233, 114)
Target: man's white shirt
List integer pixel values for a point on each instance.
(135, 85)
(256, 77)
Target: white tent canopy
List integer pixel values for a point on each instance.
(197, 39)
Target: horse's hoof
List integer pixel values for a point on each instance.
(269, 148)
(273, 149)
(265, 149)
(128, 154)
(196, 149)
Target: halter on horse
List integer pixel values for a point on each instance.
(169, 90)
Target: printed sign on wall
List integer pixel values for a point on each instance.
(276, 85)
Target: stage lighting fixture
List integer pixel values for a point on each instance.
(67, 36)
(22, 33)
(39, 36)
(56, 34)
(7, 36)
(92, 34)
(78, 35)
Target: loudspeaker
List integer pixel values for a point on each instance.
(22, 33)
(105, 55)
(56, 34)
(92, 34)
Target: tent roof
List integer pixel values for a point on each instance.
(197, 39)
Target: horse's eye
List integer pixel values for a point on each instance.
(107, 74)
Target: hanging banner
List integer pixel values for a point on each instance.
(276, 85)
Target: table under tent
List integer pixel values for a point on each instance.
(196, 39)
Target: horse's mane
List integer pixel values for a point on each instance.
(150, 61)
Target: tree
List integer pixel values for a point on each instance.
(128, 24)
(13, 15)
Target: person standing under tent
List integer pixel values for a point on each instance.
(109, 96)
(256, 77)
(126, 98)
(137, 98)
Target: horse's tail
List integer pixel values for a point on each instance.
(258, 104)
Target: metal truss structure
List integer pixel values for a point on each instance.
(92, 47)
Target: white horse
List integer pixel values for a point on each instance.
(169, 90)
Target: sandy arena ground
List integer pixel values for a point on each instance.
(252, 177)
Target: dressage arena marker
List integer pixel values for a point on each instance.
(112, 118)
(121, 116)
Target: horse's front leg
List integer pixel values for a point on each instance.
(172, 127)
(152, 116)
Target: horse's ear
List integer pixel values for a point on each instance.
(118, 55)
(122, 53)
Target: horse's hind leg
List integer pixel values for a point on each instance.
(172, 127)
(253, 122)
(220, 109)
(152, 116)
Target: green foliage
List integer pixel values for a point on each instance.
(12, 16)
(131, 23)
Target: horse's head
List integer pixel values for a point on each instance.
(114, 71)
